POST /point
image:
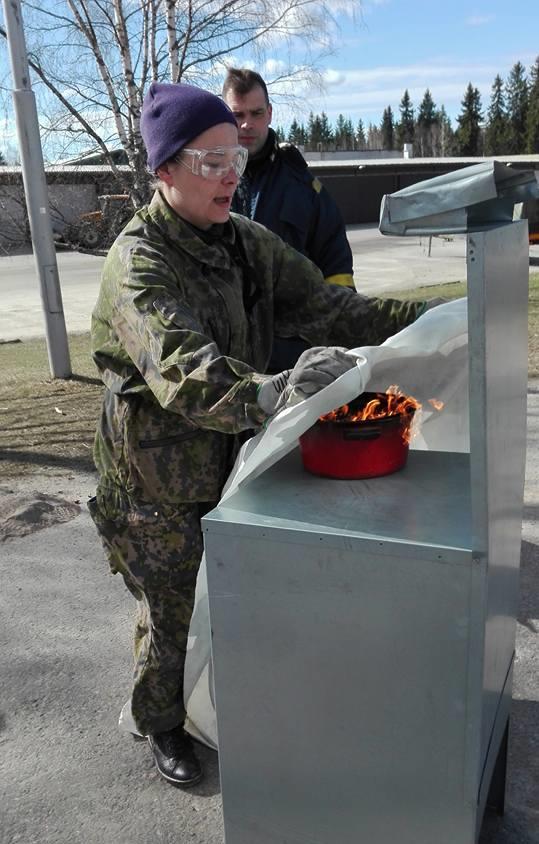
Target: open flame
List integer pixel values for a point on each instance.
(436, 404)
(391, 403)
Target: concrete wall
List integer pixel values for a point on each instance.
(348, 155)
(72, 191)
(357, 186)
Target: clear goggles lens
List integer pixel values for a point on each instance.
(213, 164)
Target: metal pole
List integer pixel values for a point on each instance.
(35, 188)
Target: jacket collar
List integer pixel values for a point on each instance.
(265, 155)
(204, 248)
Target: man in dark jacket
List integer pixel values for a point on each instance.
(279, 191)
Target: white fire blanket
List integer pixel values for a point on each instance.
(427, 360)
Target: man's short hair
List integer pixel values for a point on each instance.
(241, 81)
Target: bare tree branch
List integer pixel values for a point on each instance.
(94, 59)
(67, 105)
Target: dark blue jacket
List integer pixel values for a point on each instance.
(279, 191)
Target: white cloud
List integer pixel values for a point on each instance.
(273, 67)
(347, 7)
(478, 20)
(368, 6)
(333, 77)
(425, 74)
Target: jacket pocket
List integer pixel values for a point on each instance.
(162, 442)
(168, 459)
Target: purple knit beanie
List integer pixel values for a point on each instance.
(174, 114)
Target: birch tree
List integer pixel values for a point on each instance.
(93, 60)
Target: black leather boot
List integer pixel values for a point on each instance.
(175, 758)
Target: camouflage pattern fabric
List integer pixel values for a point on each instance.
(158, 553)
(181, 334)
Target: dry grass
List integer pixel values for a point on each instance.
(48, 424)
(456, 289)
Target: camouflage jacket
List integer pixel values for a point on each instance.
(182, 333)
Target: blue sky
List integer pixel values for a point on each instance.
(394, 45)
(418, 45)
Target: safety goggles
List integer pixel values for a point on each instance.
(215, 163)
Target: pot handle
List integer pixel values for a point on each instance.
(361, 434)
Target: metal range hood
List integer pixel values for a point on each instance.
(466, 200)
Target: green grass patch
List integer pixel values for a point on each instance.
(457, 289)
(450, 290)
(49, 424)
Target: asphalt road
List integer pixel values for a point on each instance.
(380, 264)
(21, 315)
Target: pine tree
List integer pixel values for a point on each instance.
(296, 133)
(313, 132)
(443, 137)
(426, 121)
(340, 132)
(405, 129)
(344, 133)
(468, 135)
(497, 131)
(349, 134)
(517, 108)
(2, 160)
(388, 129)
(361, 140)
(280, 134)
(374, 137)
(532, 123)
(326, 131)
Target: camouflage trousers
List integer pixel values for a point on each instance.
(157, 550)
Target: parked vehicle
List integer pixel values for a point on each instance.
(98, 229)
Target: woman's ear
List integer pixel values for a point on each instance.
(163, 173)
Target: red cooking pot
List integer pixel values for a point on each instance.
(349, 450)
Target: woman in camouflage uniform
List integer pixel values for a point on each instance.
(182, 334)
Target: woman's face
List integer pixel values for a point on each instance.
(198, 200)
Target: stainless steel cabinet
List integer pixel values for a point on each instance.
(363, 631)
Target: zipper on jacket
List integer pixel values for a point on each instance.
(177, 438)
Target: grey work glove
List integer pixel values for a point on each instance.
(315, 369)
(433, 303)
(270, 392)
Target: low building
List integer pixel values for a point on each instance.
(357, 185)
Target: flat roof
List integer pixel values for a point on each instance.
(531, 161)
